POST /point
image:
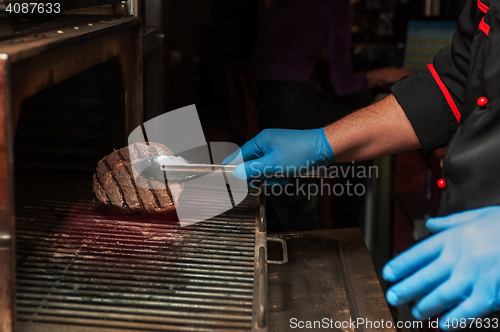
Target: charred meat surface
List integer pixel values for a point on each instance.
(114, 182)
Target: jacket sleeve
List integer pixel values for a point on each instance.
(433, 97)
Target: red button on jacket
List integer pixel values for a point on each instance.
(441, 183)
(482, 101)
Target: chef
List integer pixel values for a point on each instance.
(454, 102)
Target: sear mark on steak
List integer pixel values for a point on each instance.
(114, 183)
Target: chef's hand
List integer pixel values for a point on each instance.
(281, 151)
(456, 269)
(435, 225)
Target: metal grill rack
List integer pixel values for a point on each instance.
(80, 264)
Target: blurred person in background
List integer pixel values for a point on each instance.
(297, 32)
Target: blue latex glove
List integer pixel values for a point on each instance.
(276, 151)
(457, 269)
(435, 225)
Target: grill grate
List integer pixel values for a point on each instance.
(82, 264)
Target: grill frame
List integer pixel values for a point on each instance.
(260, 310)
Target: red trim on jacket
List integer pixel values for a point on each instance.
(445, 91)
(482, 6)
(484, 27)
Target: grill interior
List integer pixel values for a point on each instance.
(82, 264)
(72, 125)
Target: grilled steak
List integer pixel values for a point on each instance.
(114, 182)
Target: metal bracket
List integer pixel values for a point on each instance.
(285, 251)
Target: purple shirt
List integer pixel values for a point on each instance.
(297, 30)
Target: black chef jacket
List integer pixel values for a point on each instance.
(441, 102)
